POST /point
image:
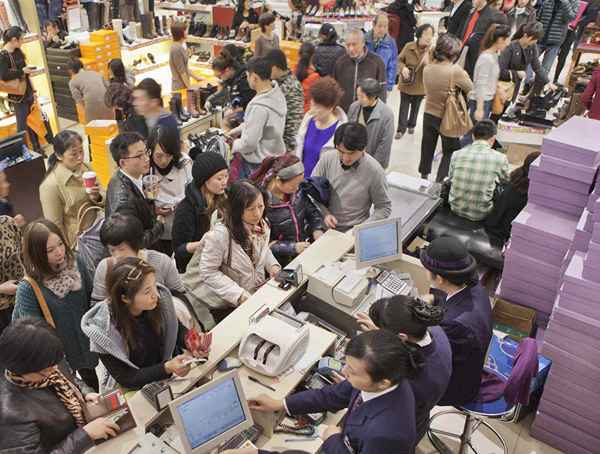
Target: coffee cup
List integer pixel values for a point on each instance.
(89, 181)
(151, 186)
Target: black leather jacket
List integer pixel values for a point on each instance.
(35, 421)
(122, 196)
(325, 57)
(291, 222)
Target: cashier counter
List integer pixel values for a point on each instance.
(331, 247)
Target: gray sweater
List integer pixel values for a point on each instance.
(380, 130)
(105, 338)
(166, 273)
(485, 77)
(353, 191)
(262, 130)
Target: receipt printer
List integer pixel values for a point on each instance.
(274, 342)
(332, 284)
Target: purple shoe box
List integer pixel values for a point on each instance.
(565, 338)
(596, 232)
(579, 324)
(583, 443)
(593, 255)
(575, 140)
(592, 198)
(533, 249)
(529, 263)
(542, 305)
(539, 290)
(581, 240)
(574, 282)
(588, 424)
(561, 390)
(585, 221)
(570, 376)
(573, 210)
(572, 362)
(559, 442)
(537, 175)
(579, 305)
(546, 226)
(573, 171)
(558, 193)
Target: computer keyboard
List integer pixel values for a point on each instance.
(250, 434)
(391, 282)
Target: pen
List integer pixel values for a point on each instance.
(256, 380)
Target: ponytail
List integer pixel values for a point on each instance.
(387, 357)
(405, 315)
(493, 34)
(307, 51)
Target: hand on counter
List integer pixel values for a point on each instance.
(301, 246)
(264, 403)
(274, 270)
(365, 322)
(101, 428)
(176, 366)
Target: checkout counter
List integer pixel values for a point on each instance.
(227, 335)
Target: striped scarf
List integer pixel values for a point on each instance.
(62, 387)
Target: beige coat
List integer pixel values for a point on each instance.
(89, 88)
(207, 278)
(436, 78)
(178, 62)
(62, 194)
(412, 57)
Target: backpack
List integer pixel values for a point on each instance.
(88, 245)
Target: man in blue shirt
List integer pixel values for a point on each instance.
(381, 43)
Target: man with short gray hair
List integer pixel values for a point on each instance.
(358, 63)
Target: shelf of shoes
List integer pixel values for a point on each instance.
(215, 41)
(147, 43)
(147, 57)
(180, 6)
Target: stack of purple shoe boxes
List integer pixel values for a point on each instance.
(545, 234)
(568, 416)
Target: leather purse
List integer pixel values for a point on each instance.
(504, 93)
(456, 121)
(16, 86)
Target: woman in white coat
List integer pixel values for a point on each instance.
(235, 258)
(315, 135)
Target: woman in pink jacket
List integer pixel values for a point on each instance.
(591, 96)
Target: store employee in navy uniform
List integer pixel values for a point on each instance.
(416, 322)
(467, 315)
(377, 393)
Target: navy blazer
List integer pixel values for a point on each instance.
(383, 425)
(432, 381)
(468, 325)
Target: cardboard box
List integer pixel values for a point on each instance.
(515, 320)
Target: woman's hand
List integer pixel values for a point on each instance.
(8, 287)
(274, 270)
(365, 322)
(162, 211)
(300, 247)
(193, 246)
(265, 404)
(317, 234)
(331, 430)
(405, 73)
(94, 194)
(331, 221)
(101, 429)
(20, 221)
(243, 297)
(478, 114)
(177, 367)
(28, 69)
(92, 397)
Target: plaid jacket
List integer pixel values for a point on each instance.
(474, 172)
(294, 97)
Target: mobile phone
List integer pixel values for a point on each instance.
(194, 361)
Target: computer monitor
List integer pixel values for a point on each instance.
(211, 415)
(378, 242)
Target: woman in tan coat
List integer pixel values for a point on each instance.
(62, 192)
(180, 72)
(411, 62)
(437, 77)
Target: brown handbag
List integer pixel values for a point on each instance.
(16, 86)
(456, 121)
(41, 301)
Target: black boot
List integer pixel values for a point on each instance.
(158, 27)
(181, 112)
(146, 20)
(174, 111)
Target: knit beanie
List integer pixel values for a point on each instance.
(447, 256)
(206, 165)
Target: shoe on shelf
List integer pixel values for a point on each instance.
(398, 135)
(214, 31)
(411, 130)
(151, 58)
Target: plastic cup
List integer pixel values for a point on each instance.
(89, 181)
(151, 185)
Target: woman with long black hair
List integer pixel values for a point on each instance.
(306, 72)
(119, 91)
(13, 66)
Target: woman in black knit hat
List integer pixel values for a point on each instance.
(467, 314)
(202, 197)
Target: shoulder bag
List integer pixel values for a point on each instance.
(41, 301)
(456, 121)
(504, 93)
(16, 86)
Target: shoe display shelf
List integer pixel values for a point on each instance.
(587, 49)
(33, 48)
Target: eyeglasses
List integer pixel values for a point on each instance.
(145, 153)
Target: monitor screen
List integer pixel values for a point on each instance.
(211, 413)
(378, 242)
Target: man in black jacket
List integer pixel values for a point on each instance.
(483, 15)
(125, 193)
(461, 10)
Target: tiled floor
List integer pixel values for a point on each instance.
(405, 159)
